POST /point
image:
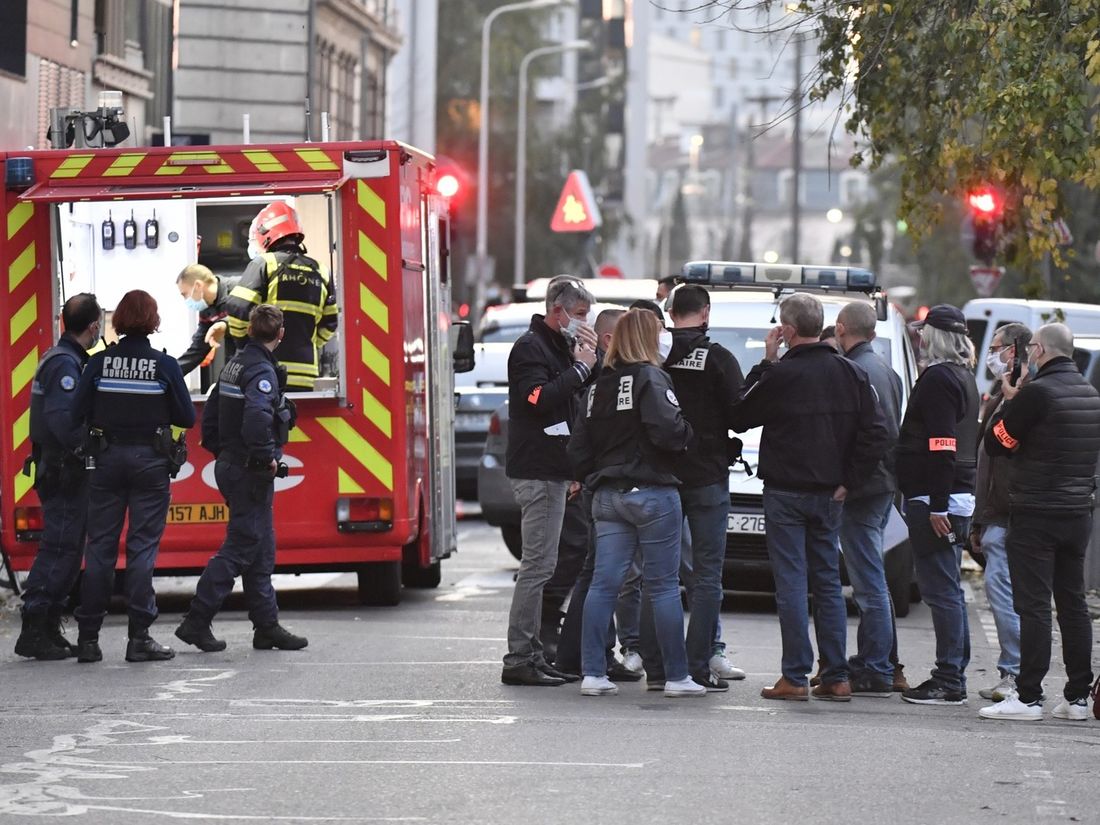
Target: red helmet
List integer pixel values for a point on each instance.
(276, 221)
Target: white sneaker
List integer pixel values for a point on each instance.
(1014, 710)
(683, 688)
(633, 662)
(1000, 691)
(1075, 711)
(598, 686)
(720, 666)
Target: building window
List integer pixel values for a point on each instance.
(719, 97)
(337, 91)
(733, 67)
(13, 37)
(58, 87)
(719, 39)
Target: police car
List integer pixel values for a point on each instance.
(744, 307)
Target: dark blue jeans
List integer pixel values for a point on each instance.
(57, 562)
(129, 479)
(803, 548)
(861, 537)
(937, 563)
(706, 509)
(248, 550)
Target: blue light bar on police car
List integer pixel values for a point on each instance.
(726, 273)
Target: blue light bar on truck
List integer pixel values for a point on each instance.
(772, 276)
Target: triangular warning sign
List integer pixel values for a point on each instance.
(576, 210)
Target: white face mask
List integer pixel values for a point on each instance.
(994, 363)
(664, 345)
(570, 329)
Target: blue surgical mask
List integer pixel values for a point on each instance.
(570, 330)
(197, 304)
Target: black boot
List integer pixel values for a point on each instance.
(196, 632)
(34, 640)
(56, 632)
(275, 635)
(87, 648)
(143, 648)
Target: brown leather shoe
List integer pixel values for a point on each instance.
(815, 680)
(834, 692)
(900, 685)
(782, 689)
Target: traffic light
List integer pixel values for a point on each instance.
(451, 182)
(986, 213)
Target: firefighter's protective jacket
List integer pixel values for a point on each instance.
(295, 284)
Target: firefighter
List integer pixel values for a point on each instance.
(60, 480)
(207, 294)
(130, 395)
(282, 275)
(245, 423)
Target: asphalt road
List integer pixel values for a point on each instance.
(398, 715)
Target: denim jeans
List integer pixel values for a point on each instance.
(542, 504)
(861, 538)
(568, 656)
(803, 546)
(706, 509)
(648, 518)
(998, 589)
(937, 564)
(628, 612)
(1046, 553)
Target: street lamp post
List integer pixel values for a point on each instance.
(518, 278)
(482, 248)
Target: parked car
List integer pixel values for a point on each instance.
(623, 291)
(494, 491)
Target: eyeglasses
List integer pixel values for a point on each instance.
(1032, 344)
(997, 347)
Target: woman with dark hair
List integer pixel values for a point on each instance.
(130, 396)
(625, 447)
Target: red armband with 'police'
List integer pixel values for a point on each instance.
(938, 445)
(1002, 436)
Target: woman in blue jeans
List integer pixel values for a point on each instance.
(625, 446)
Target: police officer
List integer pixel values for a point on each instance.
(130, 395)
(282, 275)
(60, 481)
(208, 295)
(246, 422)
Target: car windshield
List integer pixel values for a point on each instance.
(503, 334)
(747, 344)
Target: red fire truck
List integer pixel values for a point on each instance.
(371, 488)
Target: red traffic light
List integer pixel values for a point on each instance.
(447, 185)
(451, 180)
(984, 201)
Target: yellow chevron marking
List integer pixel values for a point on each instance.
(180, 162)
(23, 318)
(72, 166)
(21, 267)
(345, 484)
(371, 203)
(124, 165)
(360, 449)
(18, 217)
(21, 429)
(24, 372)
(298, 436)
(23, 484)
(373, 308)
(263, 160)
(376, 411)
(374, 358)
(370, 252)
(317, 160)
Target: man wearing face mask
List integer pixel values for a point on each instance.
(824, 433)
(207, 294)
(546, 366)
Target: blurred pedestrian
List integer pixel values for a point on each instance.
(823, 434)
(1050, 428)
(936, 466)
(626, 446)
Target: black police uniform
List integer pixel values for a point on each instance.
(62, 488)
(246, 422)
(129, 391)
(198, 349)
(286, 277)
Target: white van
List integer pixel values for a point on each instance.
(985, 315)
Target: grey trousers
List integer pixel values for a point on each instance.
(543, 509)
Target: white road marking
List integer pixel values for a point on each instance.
(460, 762)
(194, 684)
(187, 740)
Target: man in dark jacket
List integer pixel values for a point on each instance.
(545, 368)
(1051, 430)
(208, 295)
(812, 403)
(989, 529)
(866, 512)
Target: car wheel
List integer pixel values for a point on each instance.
(513, 539)
(413, 575)
(380, 583)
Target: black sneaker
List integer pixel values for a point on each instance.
(552, 671)
(147, 649)
(199, 633)
(277, 636)
(932, 692)
(620, 673)
(867, 684)
(87, 650)
(711, 682)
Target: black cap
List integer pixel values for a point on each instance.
(945, 317)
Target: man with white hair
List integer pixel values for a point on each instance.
(1050, 429)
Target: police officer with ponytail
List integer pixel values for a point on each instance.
(60, 480)
(130, 396)
(245, 423)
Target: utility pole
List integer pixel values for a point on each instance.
(796, 152)
(745, 252)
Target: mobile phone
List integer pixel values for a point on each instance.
(1018, 354)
